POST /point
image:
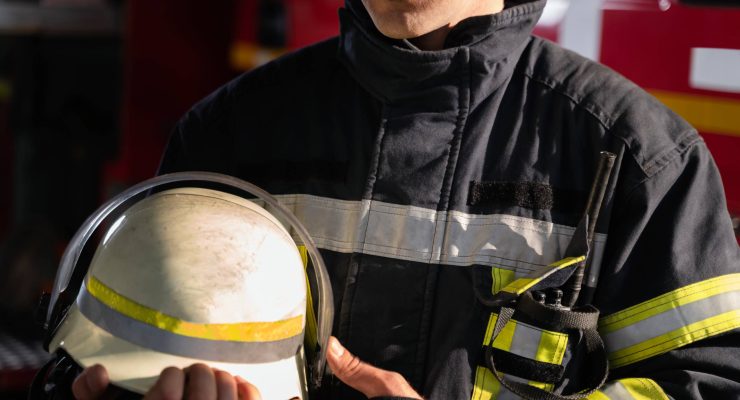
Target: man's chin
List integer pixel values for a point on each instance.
(405, 31)
(399, 30)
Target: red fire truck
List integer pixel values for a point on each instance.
(684, 52)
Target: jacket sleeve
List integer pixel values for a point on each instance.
(669, 290)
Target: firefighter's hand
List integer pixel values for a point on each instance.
(200, 381)
(197, 381)
(369, 380)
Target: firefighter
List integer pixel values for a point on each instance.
(438, 153)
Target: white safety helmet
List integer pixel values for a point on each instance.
(185, 273)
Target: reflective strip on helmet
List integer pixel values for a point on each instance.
(521, 285)
(523, 340)
(237, 332)
(630, 389)
(672, 320)
(238, 342)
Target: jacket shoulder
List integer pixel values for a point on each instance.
(313, 61)
(652, 134)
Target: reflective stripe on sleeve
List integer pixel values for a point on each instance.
(672, 320)
(630, 389)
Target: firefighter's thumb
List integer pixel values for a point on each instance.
(363, 377)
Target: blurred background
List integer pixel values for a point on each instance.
(90, 89)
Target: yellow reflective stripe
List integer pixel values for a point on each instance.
(504, 338)
(707, 113)
(630, 389)
(489, 329)
(643, 389)
(552, 347)
(668, 301)
(676, 338)
(501, 278)
(486, 386)
(311, 339)
(521, 285)
(237, 332)
(550, 350)
(598, 395)
(542, 385)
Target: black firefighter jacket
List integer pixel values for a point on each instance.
(430, 179)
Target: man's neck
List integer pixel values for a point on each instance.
(435, 40)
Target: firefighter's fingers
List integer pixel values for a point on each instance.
(91, 383)
(246, 390)
(225, 385)
(169, 385)
(363, 377)
(200, 383)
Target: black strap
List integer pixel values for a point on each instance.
(525, 368)
(36, 390)
(54, 379)
(597, 363)
(558, 319)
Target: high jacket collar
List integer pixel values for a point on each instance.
(479, 56)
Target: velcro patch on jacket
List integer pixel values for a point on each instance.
(532, 195)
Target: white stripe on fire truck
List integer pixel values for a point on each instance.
(715, 69)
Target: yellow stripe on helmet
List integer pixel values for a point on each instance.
(236, 332)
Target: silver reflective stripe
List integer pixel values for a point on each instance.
(148, 336)
(616, 391)
(430, 236)
(671, 320)
(526, 341)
